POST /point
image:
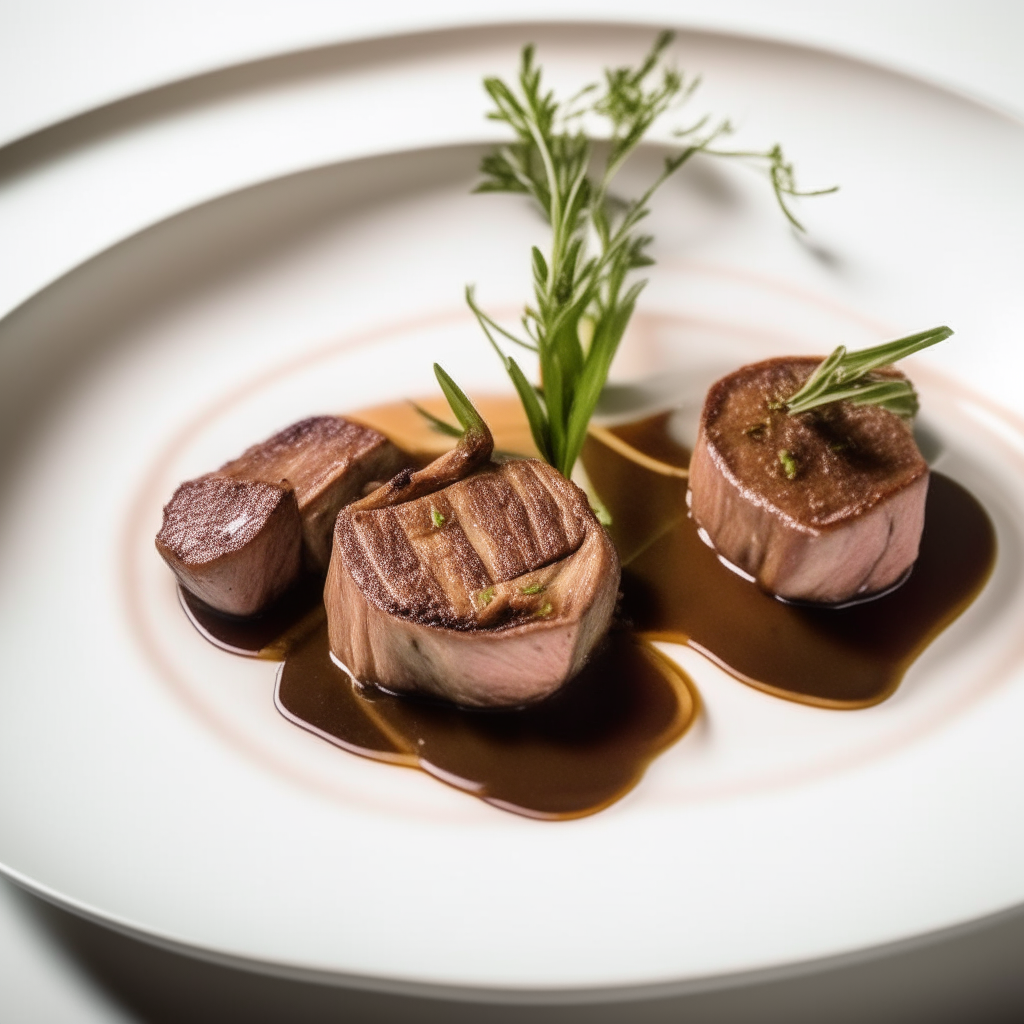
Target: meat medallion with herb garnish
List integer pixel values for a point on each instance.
(806, 476)
(489, 582)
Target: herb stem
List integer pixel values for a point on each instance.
(578, 291)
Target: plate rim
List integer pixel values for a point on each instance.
(531, 996)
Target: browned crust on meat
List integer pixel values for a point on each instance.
(849, 458)
(507, 542)
(328, 460)
(238, 538)
(847, 520)
(236, 544)
(491, 591)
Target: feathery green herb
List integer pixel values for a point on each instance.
(846, 377)
(583, 296)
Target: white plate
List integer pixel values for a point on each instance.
(145, 778)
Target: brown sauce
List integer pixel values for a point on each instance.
(565, 757)
(570, 755)
(651, 437)
(268, 635)
(588, 745)
(676, 588)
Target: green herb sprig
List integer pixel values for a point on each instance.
(582, 297)
(846, 377)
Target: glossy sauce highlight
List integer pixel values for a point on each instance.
(589, 744)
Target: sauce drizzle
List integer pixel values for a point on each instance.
(589, 744)
(676, 588)
(570, 755)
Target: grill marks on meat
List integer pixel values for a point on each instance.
(445, 552)
(846, 523)
(491, 591)
(514, 520)
(239, 537)
(484, 583)
(437, 574)
(392, 570)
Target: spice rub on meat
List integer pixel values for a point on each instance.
(239, 537)
(484, 583)
(824, 506)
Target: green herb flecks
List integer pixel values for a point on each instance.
(544, 610)
(788, 463)
(583, 297)
(436, 517)
(485, 597)
(846, 377)
(533, 588)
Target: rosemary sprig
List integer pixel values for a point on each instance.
(583, 299)
(846, 377)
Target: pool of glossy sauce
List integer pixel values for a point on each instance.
(570, 755)
(269, 635)
(676, 588)
(582, 749)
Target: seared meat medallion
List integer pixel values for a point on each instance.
(824, 506)
(490, 591)
(239, 537)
